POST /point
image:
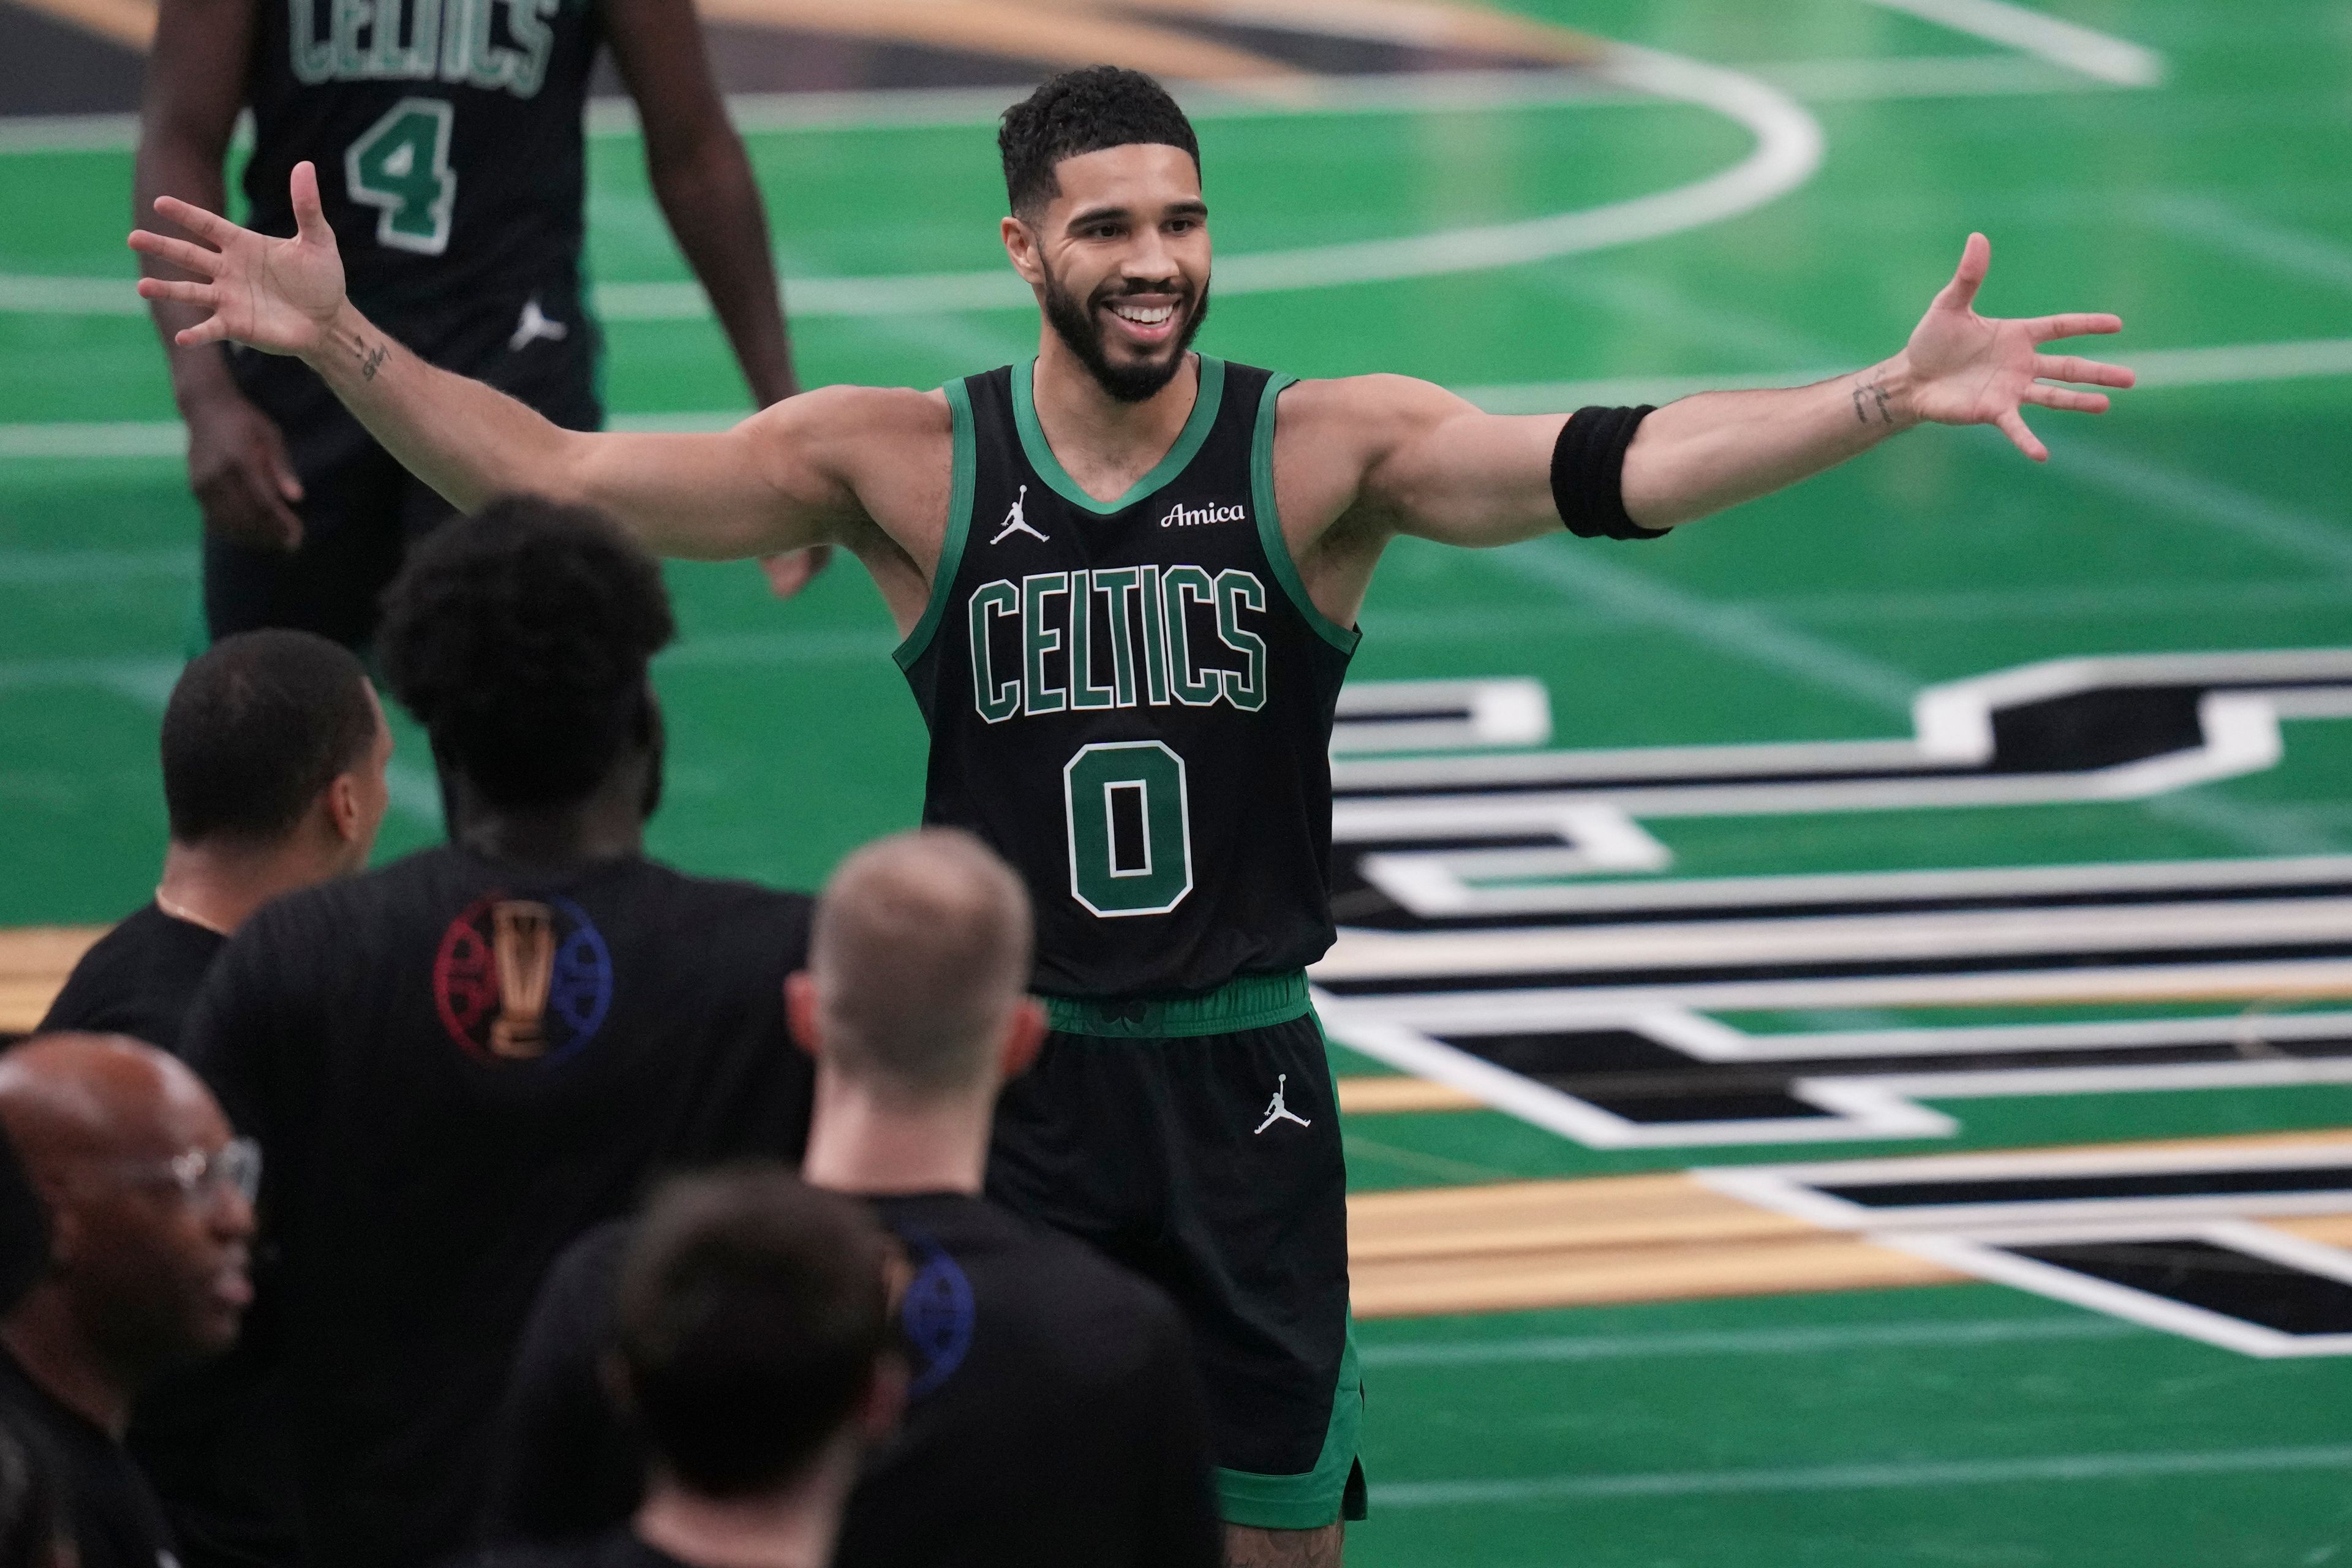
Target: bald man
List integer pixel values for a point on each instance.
(1054, 1417)
(149, 1203)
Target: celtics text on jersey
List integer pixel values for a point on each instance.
(1131, 700)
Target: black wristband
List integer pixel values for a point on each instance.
(1587, 473)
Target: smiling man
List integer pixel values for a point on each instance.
(1128, 577)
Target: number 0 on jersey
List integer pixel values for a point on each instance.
(1131, 828)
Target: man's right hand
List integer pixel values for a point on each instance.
(241, 474)
(280, 296)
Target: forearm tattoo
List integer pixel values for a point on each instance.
(366, 357)
(1870, 403)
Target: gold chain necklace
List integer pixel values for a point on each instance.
(182, 912)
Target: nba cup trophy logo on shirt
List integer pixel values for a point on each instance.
(522, 940)
(518, 981)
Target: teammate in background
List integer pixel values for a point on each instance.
(754, 1351)
(1128, 577)
(1055, 1418)
(274, 754)
(452, 139)
(151, 1210)
(462, 1060)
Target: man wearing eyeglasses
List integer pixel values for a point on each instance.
(150, 1206)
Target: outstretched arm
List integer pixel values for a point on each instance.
(764, 486)
(1440, 469)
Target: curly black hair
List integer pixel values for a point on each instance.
(1082, 111)
(519, 638)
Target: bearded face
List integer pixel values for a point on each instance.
(1111, 331)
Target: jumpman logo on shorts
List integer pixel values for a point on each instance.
(1017, 521)
(1278, 1111)
(534, 325)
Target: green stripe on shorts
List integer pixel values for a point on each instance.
(1318, 1497)
(1251, 1002)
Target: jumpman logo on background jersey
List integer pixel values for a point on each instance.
(1017, 521)
(1278, 1111)
(534, 325)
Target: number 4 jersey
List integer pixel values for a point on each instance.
(447, 137)
(1132, 700)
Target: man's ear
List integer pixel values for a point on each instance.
(801, 1013)
(345, 813)
(885, 1400)
(1021, 245)
(1024, 1036)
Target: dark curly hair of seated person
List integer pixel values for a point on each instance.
(520, 638)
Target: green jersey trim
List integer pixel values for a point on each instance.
(961, 478)
(1251, 1002)
(1269, 525)
(1049, 467)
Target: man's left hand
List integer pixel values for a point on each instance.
(1966, 369)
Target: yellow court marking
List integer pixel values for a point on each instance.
(1523, 1245)
(34, 963)
(131, 23)
(1068, 32)
(1375, 1096)
(1517, 1246)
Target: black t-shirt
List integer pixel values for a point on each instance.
(1054, 1417)
(453, 1068)
(616, 1548)
(117, 1523)
(138, 980)
(23, 1229)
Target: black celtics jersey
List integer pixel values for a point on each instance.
(1132, 700)
(447, 137)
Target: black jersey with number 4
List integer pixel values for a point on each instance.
(1132, 699)
(447, 137)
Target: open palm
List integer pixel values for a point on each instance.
(277, 295)
(1968, 369)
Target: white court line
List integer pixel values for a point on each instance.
(2099, 55)
(2057, 1470)
(2309, 539)
(1787, 153)
(1747, 634)
(1412, 92)
(1831, 1340)
(2288, 251)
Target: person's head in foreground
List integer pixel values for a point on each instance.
(150, 1202)
(521, 640)
(1107, 224)
(755, 1352)
(274, 755)
(916, 1004)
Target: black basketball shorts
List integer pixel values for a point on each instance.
(1197, 1143)
(360, 510)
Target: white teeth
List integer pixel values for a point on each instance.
(1143, 315)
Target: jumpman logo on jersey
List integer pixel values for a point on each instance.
(1017, 521)
(1278, 1111)
(534, 326)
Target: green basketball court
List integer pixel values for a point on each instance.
(1756, 195)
